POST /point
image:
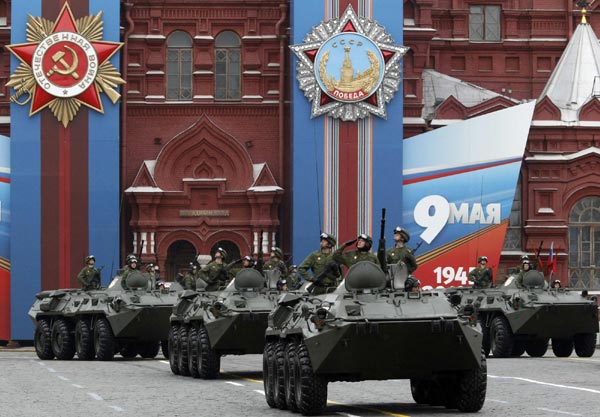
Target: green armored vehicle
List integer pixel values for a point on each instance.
(517, 320)
(208, 325)
(99, 323)
(365, 330)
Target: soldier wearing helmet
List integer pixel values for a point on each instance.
(247, 262)
(188, 281)
(89, 276)
(412, 284)
(293, 281)
(362, 252)
(401, 252)
(132, 264)
(556, 284)
(322, 265)
(276, 262)
(482, 276)
(216, 274)
(525, 267)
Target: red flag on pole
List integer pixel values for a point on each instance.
(551, 262)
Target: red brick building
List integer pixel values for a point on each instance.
(205, 138)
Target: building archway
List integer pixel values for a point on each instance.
(179, 256)
(584, 243)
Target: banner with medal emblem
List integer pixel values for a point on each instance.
(64, 145)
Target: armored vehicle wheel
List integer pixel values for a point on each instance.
(174, 348)
(63, 340)
(501, 337)
(268, 378)
(471, 388)
(209, 359)
(194, 352)
(84, 340)
(279, 362)
(43, 340)
(148, 350)
(164, 347)
(419, 390)
(562, 348)
(104, 341)
(518, 349)
(585, 344)
(290, 369)
(184, 351)
(536, 348)
(311, 389)
(129, 350)
(485, 341)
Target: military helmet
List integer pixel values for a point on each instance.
(329, 238)
(89, 258)
(249, 258)
(131, 259)
(411, 282)
(194, 264)
(556, 281)
(525, 261)
(150, 267)
(131, 255)
(277, 251)
(222, 251)
(524, 258)
(403, 233)
(366, 238)
(482, 258)
(293, 267)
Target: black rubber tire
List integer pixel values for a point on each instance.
(129, 350)
(104, 340)
(311, 389)
(290, 369)
(184, 351)
(194, 350)
(84, 340)
(209, 359)
(537, 348)
(174, 348)
(418, 389)
(63, 339)
(268, 379)
(518, 349)
(43, 340)
(148, 350)
(279, 372)
(585, 344)
(471, 388)
(501, 337)
(485, 341)
(562, 348)
(164, 347)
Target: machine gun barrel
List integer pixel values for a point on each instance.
(381, 256)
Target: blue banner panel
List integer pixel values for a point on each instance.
(4, 238)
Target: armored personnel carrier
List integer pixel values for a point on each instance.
(208, 325)
(368, 329)
(517, 320)
(99, 323)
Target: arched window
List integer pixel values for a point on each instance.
(584, 243)
(228, 76)
(179, 66)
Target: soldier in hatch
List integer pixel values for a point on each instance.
(276, 262)
(362, 252)
(325, 271)
(401, 252)
(482, 275)
(216, 273)
(525, 267)
(131, 266)
(89, 276)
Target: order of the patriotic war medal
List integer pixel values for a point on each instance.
(353, 71)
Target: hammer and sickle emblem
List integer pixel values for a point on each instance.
(66, 69)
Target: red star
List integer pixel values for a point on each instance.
(90, 96)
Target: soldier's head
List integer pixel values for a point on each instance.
(401, 235)
(412, 284)
(364, 242)
(526, 264)
(132, 262)
(276, 253)
(220, 255)
(327, 240)
(193, 265)
(482, 260)
(150, 267)
(90, 260)
(247, 261)
(556, 283)
(524, 258)
(293, 269)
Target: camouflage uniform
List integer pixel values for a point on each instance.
(89, 278)
(215, 275)
(275, 263)
(189, 279)
(481, 277)
(318, 262)
(128, 270)
(404, 254)
(351, 257)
